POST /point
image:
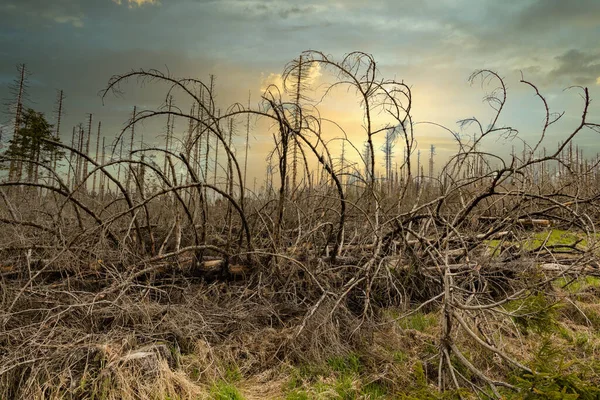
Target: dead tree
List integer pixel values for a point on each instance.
(97, 156)
(87, 151)
(129, 171)
(59, 114)
(15, 169)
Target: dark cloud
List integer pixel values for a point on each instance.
(577, 67)
(551, 15)
(514, 34)
(28, 13)
(82, 74)
(76, 45)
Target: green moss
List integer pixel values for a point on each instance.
(592, 281)
(556, 237)
(578, 284)
(418, 321)
(553, 237)
(494, 246)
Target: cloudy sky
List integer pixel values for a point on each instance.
(432, 45)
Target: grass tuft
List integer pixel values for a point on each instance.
(418, 321)
(223, 390)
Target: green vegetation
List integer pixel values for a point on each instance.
(554, 377)
(297, 395)
(418, 321)
(555, 238)
(420, 388)
(577, 284)
(342, 377)
(29, 144)
(232, 373)
(494, 246)
(535, 312)
(347, 365)
(222, 390)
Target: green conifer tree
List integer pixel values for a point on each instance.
(29, 145)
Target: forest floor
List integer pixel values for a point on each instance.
(561, 344)
(181, 340)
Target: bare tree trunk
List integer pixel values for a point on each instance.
(216, 155)
(15, 168)
(188, 150)
(129, 170)
(199, 117)
(36, 167)
(96, 156)
(229, 186)
(120, 158)
(343, 161)
(247, 145)
(79, 158)
(285, 136)
(211, 112)
(57, 131)
(431, 154)
(87, 152)
(71, 161)
(102, 176)
(297, 125)
(165, 169)
(419, 165)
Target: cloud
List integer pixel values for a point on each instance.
(136, 3)
(271, 10)
(311, 78)
(278, 10)
(577, 67)
(30, 12)
(433, 47)
(272, 79)
(75, 20)
(548, 15)
(313, 74)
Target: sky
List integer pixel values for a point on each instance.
(432, 45)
